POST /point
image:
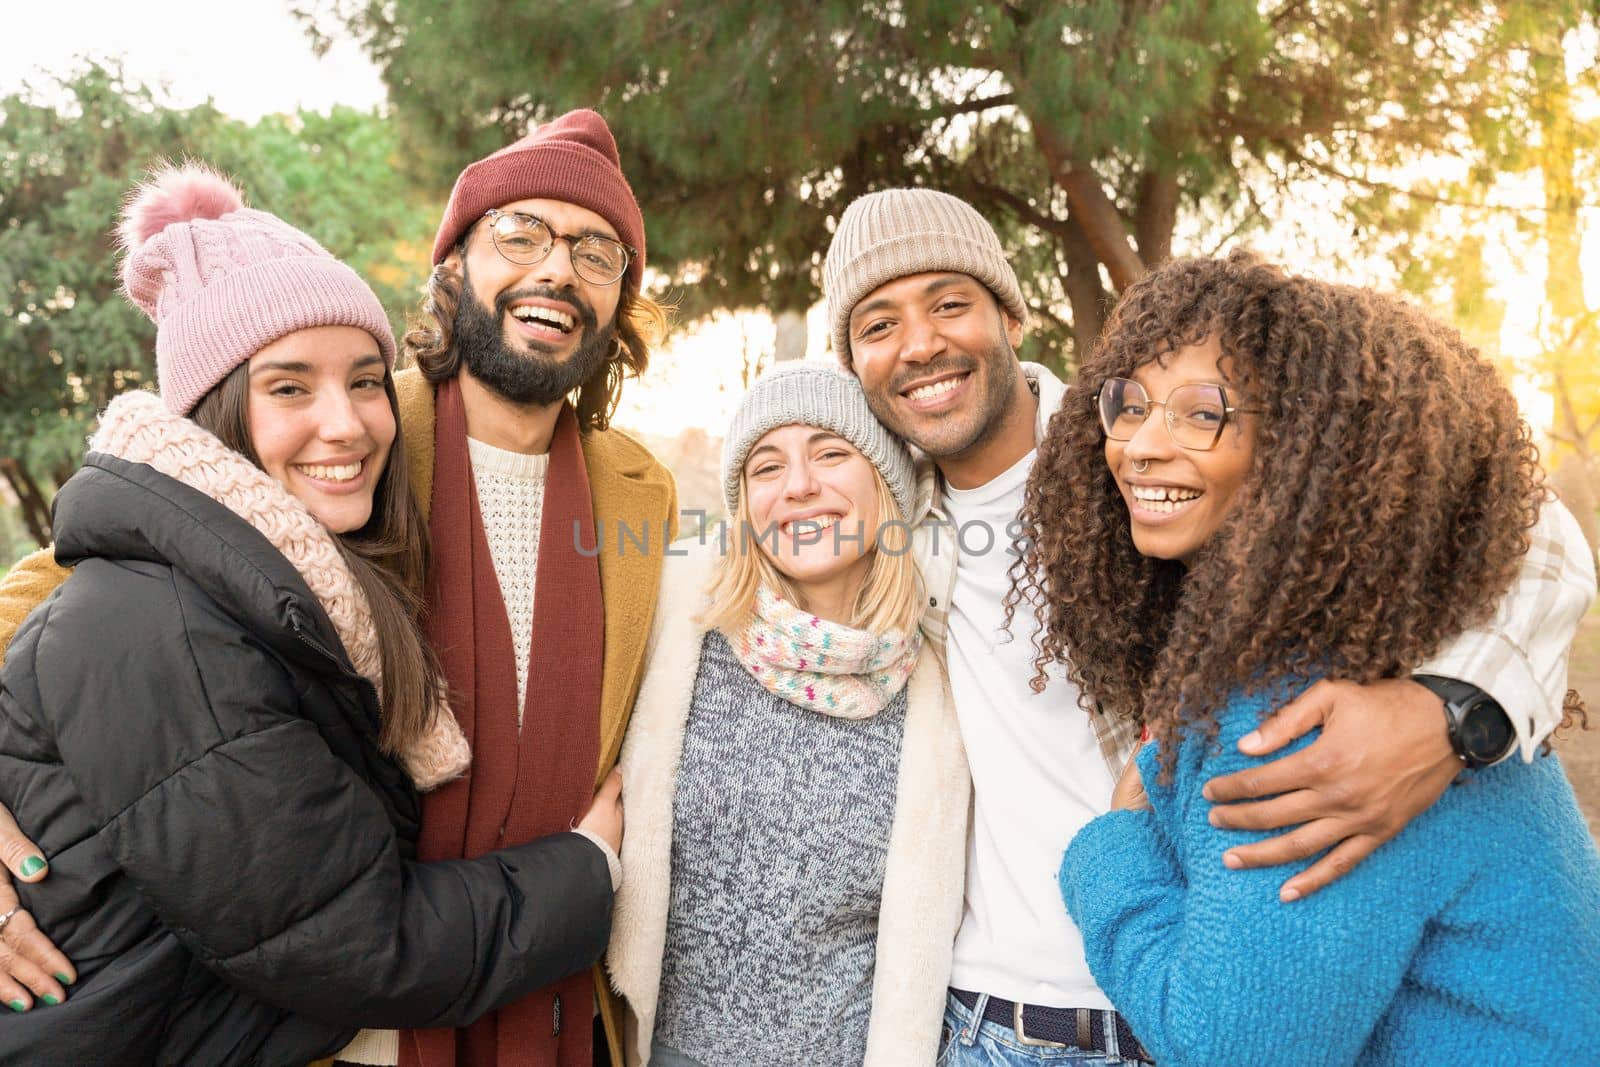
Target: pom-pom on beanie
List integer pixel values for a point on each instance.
(222, 281)
(573, 159)
(896, 233)
(815, 394)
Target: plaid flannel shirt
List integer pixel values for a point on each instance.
(1519, 657)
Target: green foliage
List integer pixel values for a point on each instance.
(68, 340)
(747, 127)
(1084, 128)
(1530, 169)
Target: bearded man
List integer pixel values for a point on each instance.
(532, 320)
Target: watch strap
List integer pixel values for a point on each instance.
(1459, 699)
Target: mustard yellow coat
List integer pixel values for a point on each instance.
(627, 486)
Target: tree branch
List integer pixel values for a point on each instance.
(35, 508)
(1020, 207)
(1084, 289)
(968, 107)
(1081, 278)
(1255, 212)
(1093, 210)
(1331, 171)
(1285, 12)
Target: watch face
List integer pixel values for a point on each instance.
(1485, 731)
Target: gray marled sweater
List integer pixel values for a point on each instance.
(780, 836)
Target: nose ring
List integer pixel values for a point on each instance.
(1140, 466)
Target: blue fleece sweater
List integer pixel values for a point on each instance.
(1472, 937)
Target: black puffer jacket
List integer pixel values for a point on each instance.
(230, 854)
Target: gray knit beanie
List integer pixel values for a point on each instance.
(898, 232)
(815, 394)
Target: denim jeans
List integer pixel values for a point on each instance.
(968, 1041)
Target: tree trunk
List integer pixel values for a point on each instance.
(1084, 288)
(1563, 286)
(1096, 214)
(33, 505)
(790, 342)
(1569, 426)
(1558, 165)
(1155, 217)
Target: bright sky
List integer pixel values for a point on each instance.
(251, 57)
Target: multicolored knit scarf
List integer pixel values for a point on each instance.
(822, 665)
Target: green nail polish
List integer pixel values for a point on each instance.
(32, 866)
(63, 979)
(16, 1005)
(51, 999)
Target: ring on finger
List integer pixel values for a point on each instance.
(7, 916)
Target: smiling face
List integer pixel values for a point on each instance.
(813, 504)
(320, 420)
(1180, 498)
(533, 333)
(936, 356)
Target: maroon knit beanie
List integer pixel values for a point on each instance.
(573, 159)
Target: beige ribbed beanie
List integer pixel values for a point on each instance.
(898, 232)
(814, 393)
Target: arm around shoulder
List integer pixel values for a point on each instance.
(290, 883)
(1205, 962)
(24, 587)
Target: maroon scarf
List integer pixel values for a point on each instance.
(522, 785)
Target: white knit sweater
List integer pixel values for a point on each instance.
(511, 501)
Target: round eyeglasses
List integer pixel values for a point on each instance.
(1195, 414)
(527, 239)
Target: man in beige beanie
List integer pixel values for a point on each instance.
(925, 309)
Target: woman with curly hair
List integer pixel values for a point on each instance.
(1335, 485)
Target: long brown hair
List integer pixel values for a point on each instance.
(388, 558)
(1387, 507)
(640, 323)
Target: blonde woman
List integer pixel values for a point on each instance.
(793, 774)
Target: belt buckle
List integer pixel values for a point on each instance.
(1022, 1035)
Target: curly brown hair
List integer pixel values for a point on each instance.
(1387, 506)
(429, 343)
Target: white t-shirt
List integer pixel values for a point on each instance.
(1037, 772)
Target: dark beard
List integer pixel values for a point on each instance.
(525, 376)
(946, 441)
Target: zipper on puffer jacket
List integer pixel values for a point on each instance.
(297, 622)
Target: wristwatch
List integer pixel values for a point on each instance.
(1480, 729)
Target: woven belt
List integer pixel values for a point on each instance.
(1082, 1028)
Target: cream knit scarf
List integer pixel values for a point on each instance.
(139, 428)
(822, 665)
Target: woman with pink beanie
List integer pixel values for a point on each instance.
(217, 728)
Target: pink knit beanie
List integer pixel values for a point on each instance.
(222, 281)
(573, 159)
